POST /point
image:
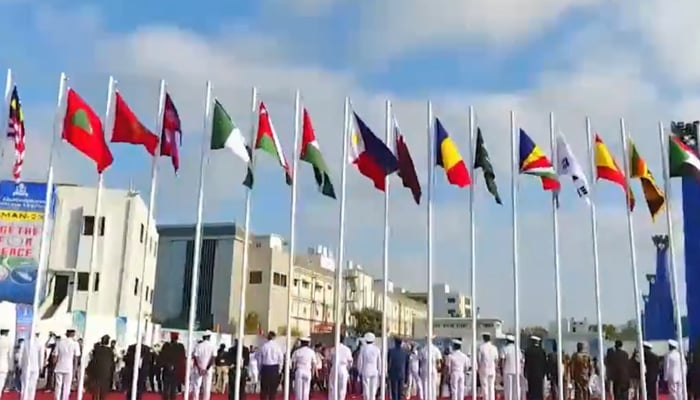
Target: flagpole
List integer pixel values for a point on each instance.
(472, 250)
(194, 283)
(151, 204)
(246, 252)
(292, 239)
(633, 258)
(44, 245)
(385, 261)
(557, 268)
(515, 171)
(8, 93)
(341, 246)
(663, 138)
(596, 261)
(431, 181)
(96, 233)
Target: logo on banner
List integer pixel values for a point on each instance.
(20, 190)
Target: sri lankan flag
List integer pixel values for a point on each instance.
(652, 193)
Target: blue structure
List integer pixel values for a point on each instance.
(658, 316)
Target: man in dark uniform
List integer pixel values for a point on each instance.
(535, 369)
(396, 369)
(652, 363)
(232, 362)
(144, 365)
(99, 369)
(172, 357)
(552, 371)
(618, 362)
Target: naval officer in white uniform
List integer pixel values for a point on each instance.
(369, 364)
(342, 364)
(303, 362)
(457, 366)
(203, 355)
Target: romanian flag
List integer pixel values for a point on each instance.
(533, 161)
(448, 157)
(606, 168)
(652, 193)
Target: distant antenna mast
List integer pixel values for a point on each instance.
(132, 191)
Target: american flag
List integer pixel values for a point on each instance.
(16, 133)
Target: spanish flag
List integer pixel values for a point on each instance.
(652, 193)
(534, 162)
(606, 168)
(449, 159)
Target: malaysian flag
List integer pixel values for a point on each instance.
(16, 132)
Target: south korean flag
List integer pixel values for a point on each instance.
(567, 165)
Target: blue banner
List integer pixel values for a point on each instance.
(691, 233)
(120, 331)
(21, 219)
(23, 321)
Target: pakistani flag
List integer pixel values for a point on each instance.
(226, 135)
(682, 159)
(311, 153)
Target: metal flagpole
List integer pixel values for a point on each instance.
(431, 181)
(144, 262)
(8, 92)
(633, 258)
(596, 262)
(46, 223)
(515, 171)
(292, 239)
(557, 269)
(341, 246)
(194, 285)
(246, 250)
(663, 138)
(97, 231)
(472, 248)
(385, 261)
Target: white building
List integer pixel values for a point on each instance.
(460, 328)
(446, 302)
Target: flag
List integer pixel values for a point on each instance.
(483, 161)
(82, 129)
(171, 136)
(406, 171)
(606, 168)
(652, 193)
(311, 153)
(268, 141)
(448, 157)
(226, 135)
(128, 129)
(568, 165)
(16, 132)
(370, 155)
(682, 159)
(534, 162)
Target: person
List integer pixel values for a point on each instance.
(32, 361)
(99, 369)
(6, 362)
(674, 368)
(221, 363)
(457, 366)
(415, 385)
(342, 364)
(130, 363)
(618, 362)
(552, 372)
(303, 362)
(396, 369)
(535, 369)
(171, 355)
(67, 354)
(652, 363)
(203, 373)
(430, 359)
(253, 370)
(232, 362)
(17, 370)
(487, 360)
(369, 364)
(581, 372)
(270, 359)
(510, 368)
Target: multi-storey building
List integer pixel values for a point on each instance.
(447, 303)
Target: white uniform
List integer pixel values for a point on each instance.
(32, 362)
(415, 385)
(429, 369)
(457, 364)
(674, 368)
(369, 363)
(510, 371)
(304, 361)
(204, 353)
(487, 359)
(342, 365)
(66, 350)
(6, 362)
(253, 371)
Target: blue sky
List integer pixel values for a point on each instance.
(573, 58)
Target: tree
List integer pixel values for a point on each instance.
(282, 331)
(367, 320)
(251, 323)
(629, 331)
(610, 332)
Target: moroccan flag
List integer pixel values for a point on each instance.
(407, 170)
(652, 193)
(533, 161)
(606, 168)
(682, 159)
(226, 135)
(311, 153)
(268, 141)
(483, 161)
(171, 136)
(128, 128)
(82, 129)
(448, 157)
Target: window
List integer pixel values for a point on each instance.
(89, 225)
(83, 281)
(141, 234)
(296, 282)
(255, 277)
(305, 284)
(148, 292)
(97, 281)
(451, 300)
(279, 279)
(136, 286)
(258, 245)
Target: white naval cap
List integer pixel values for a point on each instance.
(646, 345)
(673, 343)
(456, 341)
(536, 338)
(369, 337)
(305, 339)
(510, 337)
(207, 333)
